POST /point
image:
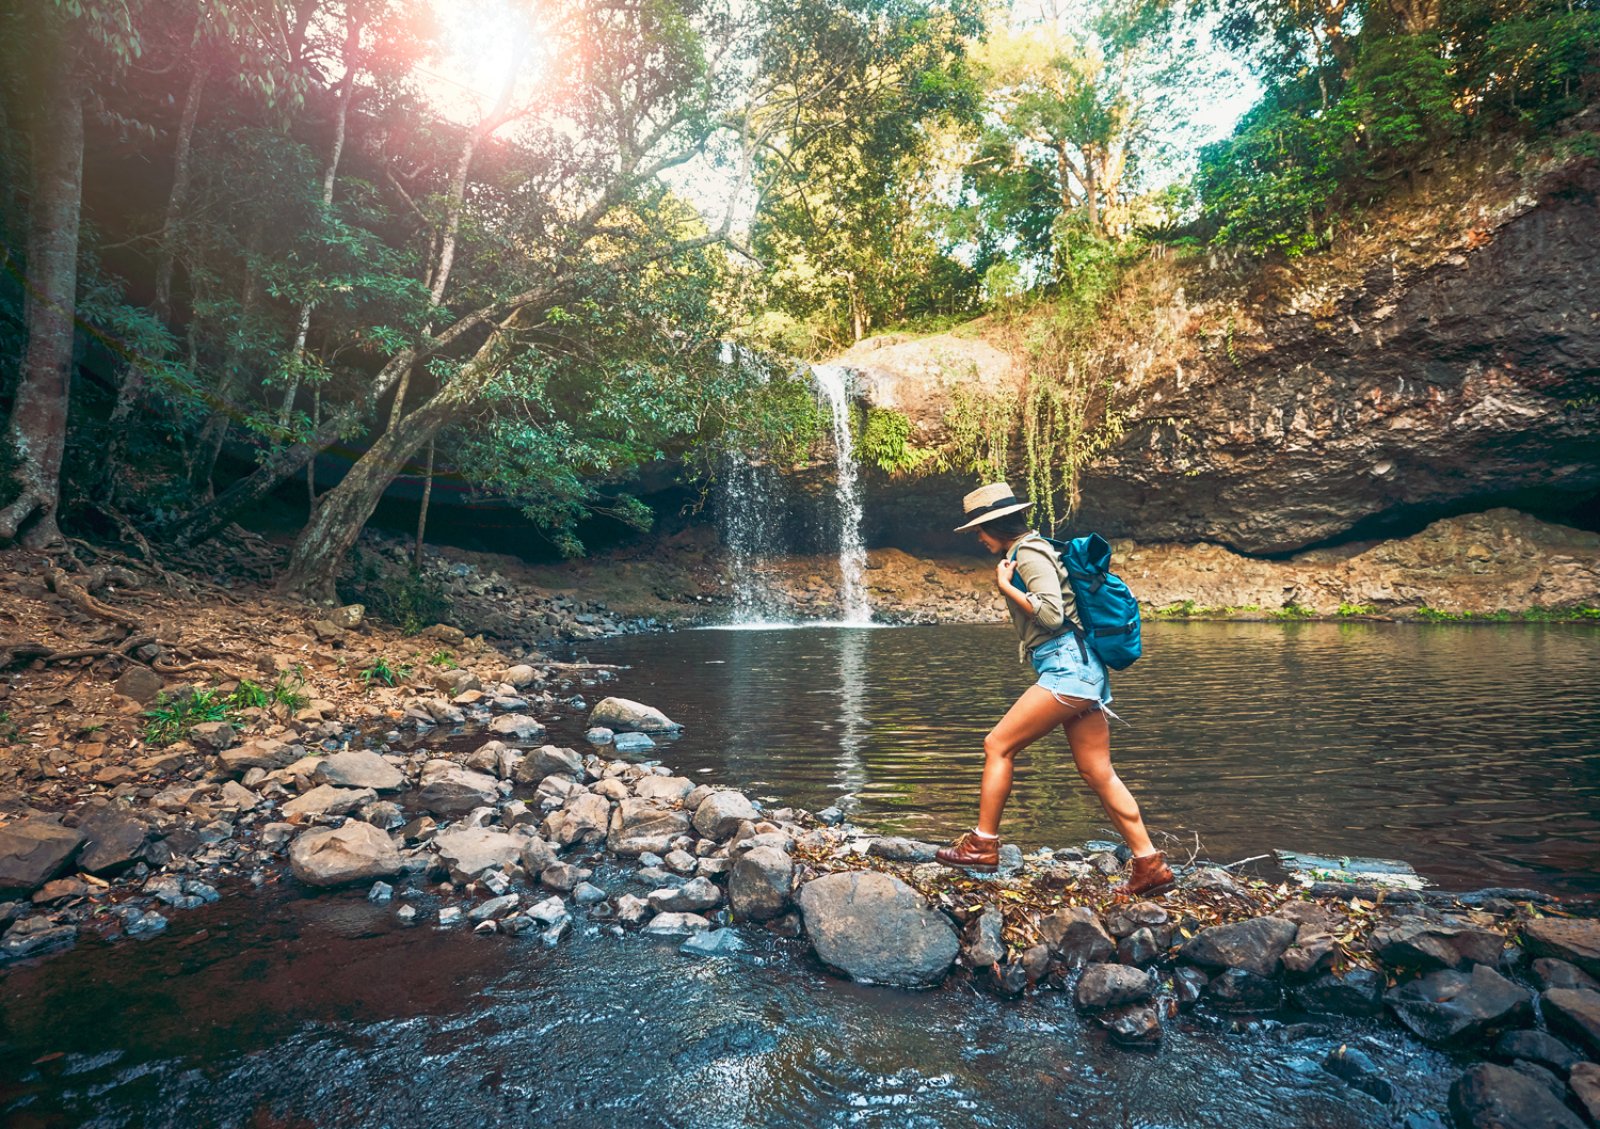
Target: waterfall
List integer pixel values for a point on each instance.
(748, 495)
(832, 380)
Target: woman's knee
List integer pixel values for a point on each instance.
(1098, 775)
(997, 746)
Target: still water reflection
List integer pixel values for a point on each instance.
(1473, 752)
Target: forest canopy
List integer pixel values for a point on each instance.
(541, 245)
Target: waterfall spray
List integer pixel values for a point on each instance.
(832, 380)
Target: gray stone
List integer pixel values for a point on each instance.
(1139, 948)
(1551, 973)
(212, 736)
(263, 753)
(1495, 1097)
(1107, 985)
(716, 943)
(588, 894)
(981, 943)
(1188, 985)
(549, 760)
(449, 915)
(621, 715)
(237, 796)
(359, 768)
(1536, 1046)
(1313, 952)
(667, 789)
(384, 815)
(1010, 861)
(536, 855)
(632, 742)
(326, 800)
(140, 684)
(549, 911)
(759, 884)
(493, 908)
(1359, 1072)
(1575, 1012)
(901, 850)
(695, 895)
(454, 791)
(113, 842)
(641, 826)
(468, 852)
(562, 876)
(1356, 991)
(1239, 989)
(681, 862)
(349, 617)
(517, 728)
(1132, 1025)
(1076, 936)
(1421, 945)
(35, 935)
(1123, 920)
(874, 928)
(380, 894)
(632, 910)
(676, 924)
(33, 851)
(583, 820)
(1585, 1086)
(1575, 940)
(1456, 1007)
(599, 735)
(356, 852)
(720, 814)
(1256, 945)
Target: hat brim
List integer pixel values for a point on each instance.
(991, 516)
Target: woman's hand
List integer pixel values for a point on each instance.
(1003, 573)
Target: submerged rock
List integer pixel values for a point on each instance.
(716, 943)
(874, 928)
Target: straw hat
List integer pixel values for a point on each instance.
(989, 502)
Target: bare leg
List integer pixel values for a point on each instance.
(1033, 715)
(1090, 736)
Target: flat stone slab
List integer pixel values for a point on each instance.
(1574, 940)
(359, 768)
(1575, 1012)
(33, 851)
(1455, 1007)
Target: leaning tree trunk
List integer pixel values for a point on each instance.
(38, 431)
(422, 511)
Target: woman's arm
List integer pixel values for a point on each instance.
(1043, 599)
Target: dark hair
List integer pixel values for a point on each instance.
(1008, 525)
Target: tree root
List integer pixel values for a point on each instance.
(64, 586)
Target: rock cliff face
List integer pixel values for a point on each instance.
(1448, 361)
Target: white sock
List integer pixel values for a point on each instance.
(983, 834)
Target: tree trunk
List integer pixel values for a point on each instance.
(231, 384)
(38, 430)
(330, 175)
(422, 512)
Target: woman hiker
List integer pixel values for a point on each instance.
(1072, 692)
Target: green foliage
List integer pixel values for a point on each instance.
(1292, 610)
(173, 715)
(1436, 615)
(443, 659)
(381, 671)
(409, 599)
(287, 691)
(885, 442)
(1347, 609)
(979, 425)
(1181, 609)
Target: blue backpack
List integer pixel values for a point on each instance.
(1108, 614)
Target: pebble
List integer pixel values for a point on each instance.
(380, 893)
(450, 915)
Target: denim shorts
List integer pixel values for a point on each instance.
(1068, 669)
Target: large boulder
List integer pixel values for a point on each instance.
(468, 852)
(1575, 1012)
(452, 791)
(549, 760)
(759, 884)
(641, 825)
(1574, 940)
(874, 928)
(583, 820)
(33, 851)
(620, 715)
(720, 814)
(359, 768)
(356, 852)
(1256, 945)
(113, 841)
(1076, 936)
(1496, 1097)
(1423, 945)
(1458, 1007)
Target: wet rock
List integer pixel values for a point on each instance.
(1574, 940)
(380, 894)
(1585, 1086)
(667, 789)
(1133, 1025)
(1495, 1097)
(467, 852)
(1215, 880)
(356, 852)
(519, 676)
(632, 910)
(1551, 973)
(1255, 945)
(236, 796)
(901, 850)
(1188, 985)
(33, 851)
(1107, 985)
(1422, 945)
(359, 768)
(676, 924)
(694, 895)
(830, 816)
(549, 912)
(613, 788)
(1574, 1012)
(641, 826)
(562, 876)
(1010, 861)
(1035, 962)
(874, 928)
(720, 814)
(537, 854)
(588, 894)
(1239, 989)
(449, 915)
(326, 800)
(451, 791)
(599, 735)
(1123, 920)
(493, 908)
(33, 935)
(549, 760)
(1356, 991)
(716, 943)
(1313, 952)
(681, 862)
(1139, 948)
(212, 736)
(632, 742)
(621, 715)
(759, 884)
(981, 942)
(112, 842)
(1556, 1088)
(1076, 936)
(1359, 1072)
(1458, 1007)
(384, 815)
(518, 728)
(583, 820)
(140, 684)
(1537, 1047)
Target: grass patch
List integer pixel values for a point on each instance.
(1346, 610)
(286, 691)
(443, 659)
(1293, 610)
(173, 715)
(382, 672)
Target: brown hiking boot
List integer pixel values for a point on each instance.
(971, 852)
(1148, 874)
